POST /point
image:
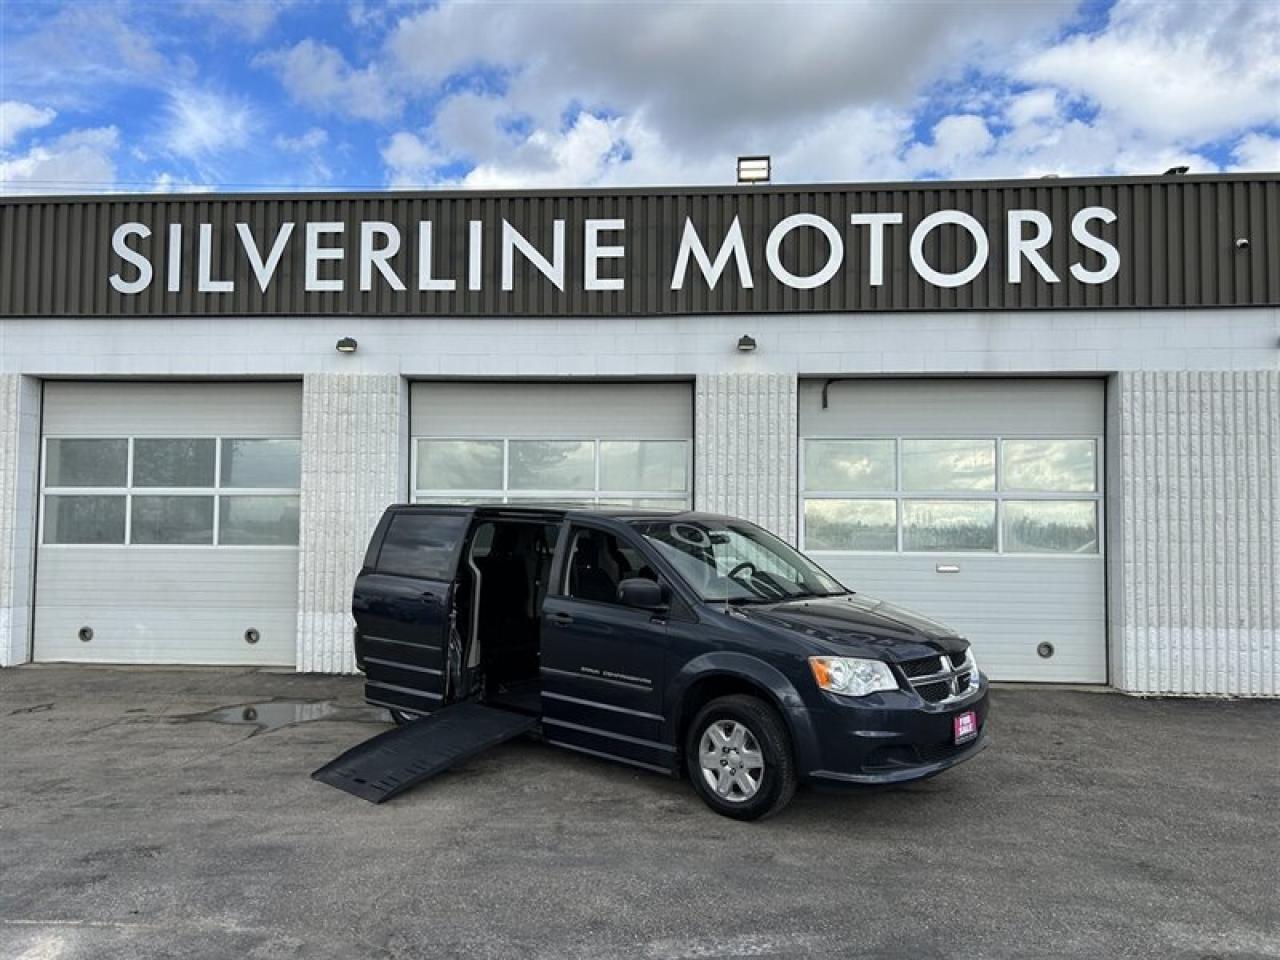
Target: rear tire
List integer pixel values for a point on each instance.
(738, 755)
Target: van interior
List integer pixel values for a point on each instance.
(502, 583)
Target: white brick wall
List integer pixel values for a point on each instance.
(19, 454)
(353, 466)
(745, 448)
(1195, 532)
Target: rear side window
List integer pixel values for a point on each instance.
(421, 545)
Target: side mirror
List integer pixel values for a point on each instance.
(643, 594)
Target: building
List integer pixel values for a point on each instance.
(1047, 411)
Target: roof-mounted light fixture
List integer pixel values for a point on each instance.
(755, 170)
(1177, 171)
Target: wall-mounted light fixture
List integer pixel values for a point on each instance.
(754, 170)
(746, 343)
(347, 345)
(1242, 243)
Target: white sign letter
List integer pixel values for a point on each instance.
(475, 253)
(425, 280)
(875, 252)
(733, 245)
(1020, 247)
(123, 251)
(175, 258)
(835, 251)
(595, 253)
(371, 256)
(927, 225)
(512, 241)
(204, 280)
(264, 270)
(315, 253)
(1110, 255)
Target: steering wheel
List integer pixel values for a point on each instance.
(744, 565)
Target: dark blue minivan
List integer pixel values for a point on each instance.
(679, 642)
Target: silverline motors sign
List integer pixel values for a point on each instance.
(378, 249)
(1032, 244)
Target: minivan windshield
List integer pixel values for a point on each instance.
(731, 561)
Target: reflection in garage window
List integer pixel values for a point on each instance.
(167, 519)
(652, 466)
(947, 525)
(1050, 526)
(855, 466)
(460, 464)
(266, 463)
(1060, 466)
(929, 465)
(645, 474)
(173, 463)
(851, 524)
(258, 521)
(84, 519)
(86, 463)
(552, 465)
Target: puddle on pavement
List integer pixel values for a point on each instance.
(276, 714)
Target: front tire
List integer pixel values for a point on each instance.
(738, 756)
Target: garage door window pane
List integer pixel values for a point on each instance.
(87, 463)
(657, 466)
(258, 521)
(948, 464)
(850, 525)
(84, 519)
(1050, 526)
(173, 463)
(853, 465)
(1053, 465)
(460, 464)
(947, 525)
(262, 463)
(172, 519)
(552, 465)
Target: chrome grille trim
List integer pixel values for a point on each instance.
(950, 675)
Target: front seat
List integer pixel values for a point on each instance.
(587, 579)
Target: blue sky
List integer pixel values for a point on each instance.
(140, 95)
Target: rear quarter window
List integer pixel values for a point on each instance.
(421, 545)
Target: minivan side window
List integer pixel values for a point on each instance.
(421, 545)
(598, 562)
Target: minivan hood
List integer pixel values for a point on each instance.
(859, 626)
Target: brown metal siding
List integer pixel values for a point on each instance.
(1176, 237)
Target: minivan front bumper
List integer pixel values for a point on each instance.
(890, 738)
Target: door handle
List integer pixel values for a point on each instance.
(948, 568)
(428, 598)
(559, 619)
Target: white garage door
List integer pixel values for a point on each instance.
(978, 502)
(626, 444)
(169, 523)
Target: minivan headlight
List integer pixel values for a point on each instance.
(852, 676)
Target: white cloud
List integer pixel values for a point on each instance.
(16, 118)
(1183, 71)
(312, 139)
(201, 125)
(81, 161)
(1257, 151)
(411, 161)
(958, 140)
(318, 76)
(251, 20)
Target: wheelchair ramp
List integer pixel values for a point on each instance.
(389, 764)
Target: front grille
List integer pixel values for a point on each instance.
(934, 692)
(922, 668)
(937, 752)
(940, 679)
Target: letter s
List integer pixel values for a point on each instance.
(128, 255)
(1110, 255)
